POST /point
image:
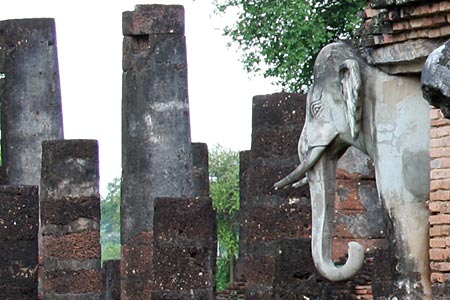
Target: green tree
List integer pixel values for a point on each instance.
(110, 221)
(281, 38)
(224, 191)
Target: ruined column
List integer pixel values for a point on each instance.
(18, 242)
(201, 169)
(30, 96)
(156, 145)
(70, 218)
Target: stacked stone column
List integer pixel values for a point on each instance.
(157, 159)
(70, 218)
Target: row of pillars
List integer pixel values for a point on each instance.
(167, 220)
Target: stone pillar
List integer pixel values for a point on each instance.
(19, 243)
(70, 218)
(156, 144)
(201, 169)
(185, 249)
(30, 96)
(111, 279)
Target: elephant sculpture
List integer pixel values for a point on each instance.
(353, 104)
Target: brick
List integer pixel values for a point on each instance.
(401, 26)
(427, 22)
(440, 163)
(443, 131)
(440, 266)
(394, 38)
(437, 277)
(439, 254)
(436, 152)
(435, 113)
(438, 242)
(440, 196)
(439, 173)
(440, 122)
(439, 219)
(441, 207)
(439, 230)
(444, 31)
(370, 12)
(444, 6)
(434, 206)
(441, 184)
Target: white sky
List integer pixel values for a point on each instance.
(89, 37)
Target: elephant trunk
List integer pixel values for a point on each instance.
(322, 178)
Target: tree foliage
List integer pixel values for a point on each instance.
(224, 191)
(282, 38)
(110, 221)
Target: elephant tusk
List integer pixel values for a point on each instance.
(311, 158)
(300, 183)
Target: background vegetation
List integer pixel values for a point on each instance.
(281, 38)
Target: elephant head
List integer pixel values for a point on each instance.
(333, 124)
(348, 105)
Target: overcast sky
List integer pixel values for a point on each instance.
(89, 37)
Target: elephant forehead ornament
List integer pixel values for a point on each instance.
(353, 104)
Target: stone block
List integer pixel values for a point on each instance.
(259, 270)
(19, 242)
(19, 209)
(183, 267)
(111, 279)
(184, 219)
(137, 260)
(270, 223)
(279, 109)
(200, 294)
(81, 246)
(70, 170)
(62, 282)
(153, 19)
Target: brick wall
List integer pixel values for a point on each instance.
(398, 36)
(439, 204)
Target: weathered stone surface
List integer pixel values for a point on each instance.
(19, 242)
(154, 19)
(157, 159)
(71, 172)
(436, 79)
(80, 246)
(178, 219)
(405, 57)
(111, 279)
(185, 247)
(157, 155)
(201, 169)
(73, 282)
(30, 92)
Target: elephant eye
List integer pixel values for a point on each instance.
(316, 108)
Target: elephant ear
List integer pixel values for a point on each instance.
(350, 76)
